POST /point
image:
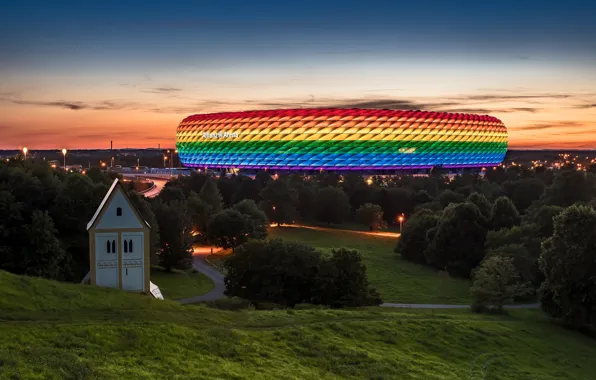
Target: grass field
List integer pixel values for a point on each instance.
(180, 284)
(397, 280)
(68, 331)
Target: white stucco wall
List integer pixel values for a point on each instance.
(110, 218)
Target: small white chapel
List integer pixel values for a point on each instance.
(119, 244)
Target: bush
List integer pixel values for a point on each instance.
(496, 282)
(370, 215)
(413, 242)
(288, 273)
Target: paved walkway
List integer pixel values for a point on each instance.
(440, 306)
(217, 292)
(329, 229)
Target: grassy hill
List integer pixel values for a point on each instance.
(178, 284)
(397, 280)
(50, 330)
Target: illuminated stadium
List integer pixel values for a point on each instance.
(340, 140)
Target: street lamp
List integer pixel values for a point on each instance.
(165, 158)
(64, 153)
(25, 152)
(401, 219)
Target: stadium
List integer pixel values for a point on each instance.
(336, 139)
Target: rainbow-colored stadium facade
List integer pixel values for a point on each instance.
(340, 139)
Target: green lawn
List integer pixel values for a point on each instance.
(180, 284)
(67, 331)
(397, 280)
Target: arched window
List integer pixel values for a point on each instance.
(119, 211)
(113, 246)
(125, 246)
(130, 245)
(108, 246)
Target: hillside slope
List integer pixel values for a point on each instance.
(50, 330)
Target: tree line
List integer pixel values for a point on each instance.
(527, 231)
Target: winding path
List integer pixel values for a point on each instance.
(219, 287)
(201, 265)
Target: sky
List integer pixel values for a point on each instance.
(79, 74)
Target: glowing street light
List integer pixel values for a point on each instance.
(64, 153)
(25, 152)
(165, 158)
(401, 219)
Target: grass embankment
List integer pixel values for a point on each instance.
(397, 280)
(180, 284)
(66, 331)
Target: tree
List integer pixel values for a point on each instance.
(229, 228)
(570, 187)
(73, 207)
(210, 196)
(504, 214)
(496, 283)
(394, 201)
(279, 201)
(357, 190)
(448, 197)
(248, 189)
(307, 198)
(413, 242)
(482, 203)
(524, 192)
(370, 215)
(526, 265)
(174, 234)
(332, 205)
(458, 242)
(542, 217)
(170, 193)
(144, 208)
(42, 256)
(289, 273)
(204, 205)
(272, 271)
(227, 187)
(263, 178)
(342, 281)
(568, 262)
(256, 217)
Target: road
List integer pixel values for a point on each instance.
(156, 189)
(199, 263)
(383, 234)
(200, 253)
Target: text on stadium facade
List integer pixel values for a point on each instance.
(220, 135)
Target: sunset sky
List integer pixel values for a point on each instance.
(79, 74)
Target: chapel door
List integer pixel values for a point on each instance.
(106, 260)
(133, 265)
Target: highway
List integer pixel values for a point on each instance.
(158, 184)
(159, 181)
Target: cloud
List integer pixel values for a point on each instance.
(585, 106)
(549, 125)
(505, 98)
(77, 106)
(163, 90)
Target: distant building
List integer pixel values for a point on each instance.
(119, 244)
